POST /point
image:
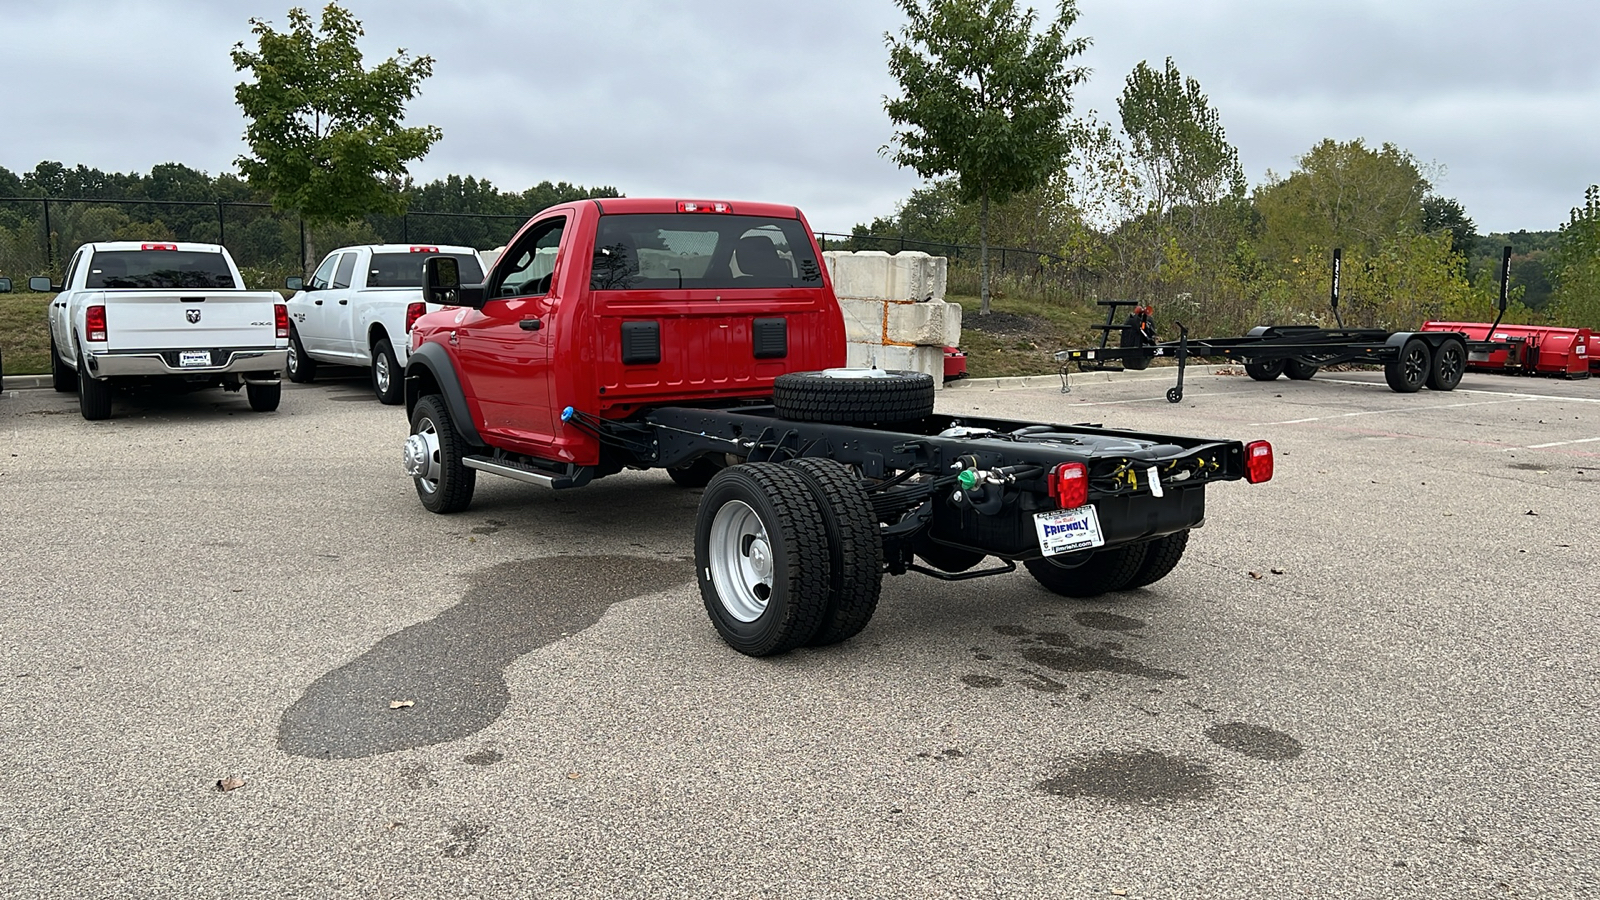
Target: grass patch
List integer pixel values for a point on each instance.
(24, 334)
(1020, 336)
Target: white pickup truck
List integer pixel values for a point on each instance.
(175, 313)
(358, 308)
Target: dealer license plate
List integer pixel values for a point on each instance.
(187, 358)
(1066, 530)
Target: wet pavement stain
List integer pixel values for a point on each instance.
(464, 840)
(1138, 776)
(489, 526)
(1257, 741)
(418, 776)
(982, 681)
(484, 757)
(1095, 659)
(1104, 621)
(453, 665)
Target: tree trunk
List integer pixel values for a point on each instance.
(983, 257)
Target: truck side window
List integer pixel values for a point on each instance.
(72, 270)
(533, 262)
(323, 279)
(347, 267)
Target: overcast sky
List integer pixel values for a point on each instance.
(743, 99)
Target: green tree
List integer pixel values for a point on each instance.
(1177, 141)
(324, 132)
(1342, 195)
(984, 98)
(1576, 300)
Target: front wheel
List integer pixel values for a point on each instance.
(762, 558)
(386, 374)
(1103, 571)
(299, 367)
(263, 397)
(433, 455)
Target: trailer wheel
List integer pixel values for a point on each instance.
(853, 396)
(1449, 364)
(1161, 556)
(855, 548)
(1265, 370)
(1299, 370)
(1101, 572)
(299, 367)
(761, 554)
(697, 474)
(433, 455)
(1408, 372)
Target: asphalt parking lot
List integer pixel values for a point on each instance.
(1373, 676)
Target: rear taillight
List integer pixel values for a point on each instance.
(1257, 462)
(414, 312)
(280, 318)
(1069, 485)
(94, 322)
(710, 206)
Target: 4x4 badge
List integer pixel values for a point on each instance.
(193, 315)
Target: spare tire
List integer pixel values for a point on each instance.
(853, 396)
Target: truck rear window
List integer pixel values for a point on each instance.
(158, 270)
(405, 269)
(701, 251)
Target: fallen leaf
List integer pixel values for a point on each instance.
(1119, 892)
(1256, 575)
(402, 704)
(232, 782)
(574, 775)
(1277, 571)
(1530, 513)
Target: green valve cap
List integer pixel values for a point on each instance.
(968, 479)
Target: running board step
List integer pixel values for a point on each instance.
(576, 477)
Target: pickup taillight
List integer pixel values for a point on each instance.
(414, 312)
(1069, 485)
(1257, 462)
(94, 322)
(280, 318)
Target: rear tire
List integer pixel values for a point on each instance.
(94, 395)
(388, 381)
(1161, 556)
(433, 457)
(853, 396)
(1298, 370)
(61, 374)
(264, 397)
(1266, 370)
(1104, 571)
(762, 558)
(1449, 364)
(299, 367)
(1410, 371)
(855, 549)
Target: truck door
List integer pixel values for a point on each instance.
(60, 315)
(336, 310)
(505, 348)
(313, 328)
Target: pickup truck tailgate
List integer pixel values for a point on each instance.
(172, 320)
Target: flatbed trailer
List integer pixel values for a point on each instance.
(1410, 359)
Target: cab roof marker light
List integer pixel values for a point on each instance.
(158, 246)
(424, 249)
(1257, 462)
(704, 206)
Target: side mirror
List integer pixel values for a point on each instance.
(441, 284)
(5, 285)
(40, 285)
(294, 283)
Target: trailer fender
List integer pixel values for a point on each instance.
(428, 370)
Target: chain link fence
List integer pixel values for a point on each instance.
(1011, 269)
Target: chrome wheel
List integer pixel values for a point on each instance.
(292, 364)
(380, 373)
(421, 456)
(741, 561)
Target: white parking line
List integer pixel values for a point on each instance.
(1552, 444)
(1379, 412)
(1459, 390)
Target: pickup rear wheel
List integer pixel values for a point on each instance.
(1408, 372)
(263, 397)
(433, 455)
(855, 548)
(386, 380)
(1102, 571)
(762, 558)
(94, 394)
(1161, 556)
(300, 368)
(1265, 370)
(853, 396)
(61, 375)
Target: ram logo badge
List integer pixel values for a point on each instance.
(193, 315)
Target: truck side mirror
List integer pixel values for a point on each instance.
(294, 283)
(40, 285)
(441, 284)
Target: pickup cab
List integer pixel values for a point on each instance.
(704, 338)
(358, 307)
(175, 314)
